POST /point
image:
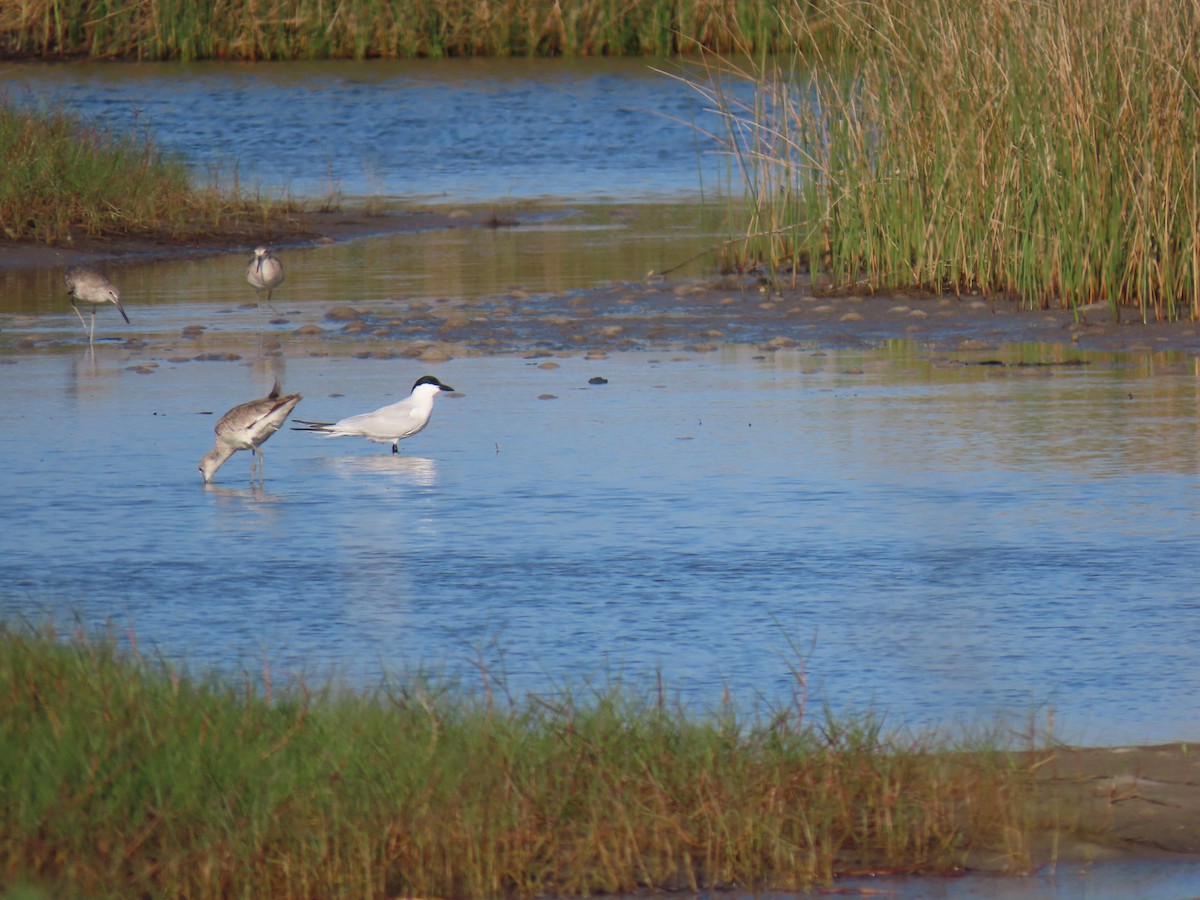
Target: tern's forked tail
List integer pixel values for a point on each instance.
(302, 425)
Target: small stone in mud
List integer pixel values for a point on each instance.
(778, 343)
(596, 354)
(305, 330)
(217, 357)
(547, 396)
(354, 327)
(851, 317)
(548, 365)
(279, 320)
(141, 370)
(727, 301)
(193, 330)
(343, 314)
(596, 379)
(435, 354)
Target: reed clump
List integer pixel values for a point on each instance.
(63, 178)
(314, 29)
(1042, 150)
(124, 777)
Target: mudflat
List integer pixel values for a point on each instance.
(1118, 802)
(696, 314)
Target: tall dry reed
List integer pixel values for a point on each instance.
(316, 29)
(1041, 149)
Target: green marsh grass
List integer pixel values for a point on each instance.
(1036, 149)
(123, 776)
(314, 29)
(63, 177)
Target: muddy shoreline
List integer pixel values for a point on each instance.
(695, 315)
(1114, 803)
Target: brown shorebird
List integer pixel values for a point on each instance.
(388, 425)
(265, 273)
(86, 285)
(246, 427)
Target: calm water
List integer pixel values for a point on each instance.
(461, 131)
(938, 542)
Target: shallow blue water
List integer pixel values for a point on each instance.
(938, 543)
(460, 131)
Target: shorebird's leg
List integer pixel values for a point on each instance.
(78, 313)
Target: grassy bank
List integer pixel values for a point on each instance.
(1043, 150)
(62, 178)
(314, 29)
(123, 777)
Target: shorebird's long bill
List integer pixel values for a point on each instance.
(121, 310)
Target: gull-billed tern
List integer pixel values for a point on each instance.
(390, 424)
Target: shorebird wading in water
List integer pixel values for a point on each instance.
(246, 427)
(265, 273)
(85, 285)
(388, 425)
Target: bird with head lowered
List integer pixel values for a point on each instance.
(246, 427)
(86, 285)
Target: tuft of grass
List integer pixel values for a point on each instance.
(1042, 150)
(123, 776)
(63, 177)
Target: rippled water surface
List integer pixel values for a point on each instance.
(456, 130)
(944, 543)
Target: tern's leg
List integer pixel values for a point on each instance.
(92, 333)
